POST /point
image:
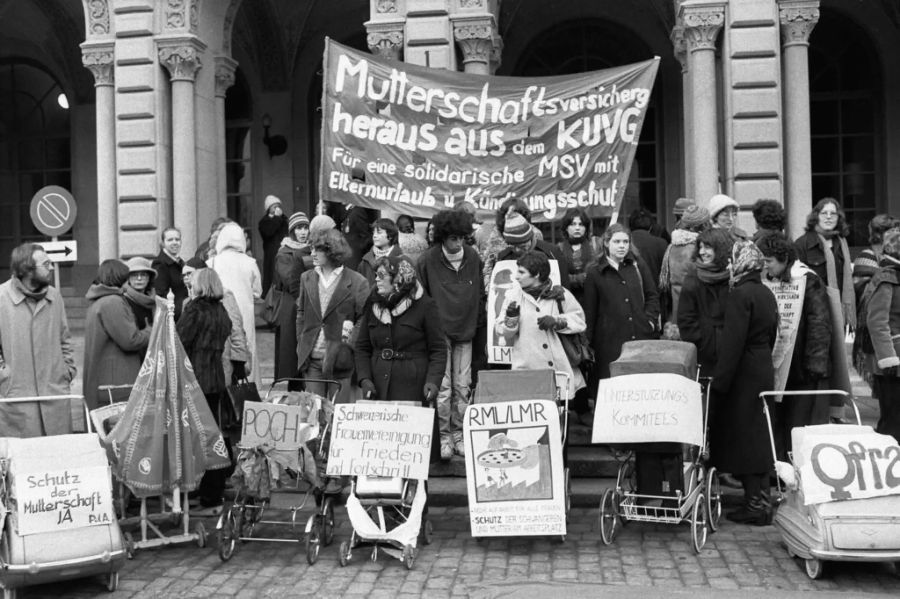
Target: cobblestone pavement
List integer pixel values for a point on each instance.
(647, 558)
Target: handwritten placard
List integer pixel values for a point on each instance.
(838, 466)
(514, 468)
(60, 499)
(648, 408)
(380, 439)
(279, 426)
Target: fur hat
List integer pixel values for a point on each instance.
(517, 230)
(681, 204)
(891, 245)
(298, 219)
(720, 202)
(694, 216)
(272, 201)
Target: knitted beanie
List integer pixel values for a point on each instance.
(321, 223)
(272, 201)
(681, 204)
(720, 202)
(298, 219)
(694, 216)
(516, 229)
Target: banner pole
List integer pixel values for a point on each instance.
(55, 267)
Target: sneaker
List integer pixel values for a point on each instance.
(458, 445)
(446, 448)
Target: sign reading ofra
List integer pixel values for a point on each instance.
(53, 210)
(648, 408)
(419, 140)
(380, 439)
(279, 426)
(54, 500)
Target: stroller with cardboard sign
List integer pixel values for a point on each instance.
(660, 480)
(284, 441)
(824, 522)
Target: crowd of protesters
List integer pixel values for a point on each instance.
(399, 315)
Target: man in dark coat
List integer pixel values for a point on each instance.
(356, 226)
(651, 248)
(168, 267)
(273, 227)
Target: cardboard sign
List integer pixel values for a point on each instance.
(279, 426)
(837, 464)
(60, 499)
(502, 288)
(397, 136)
(380, 439)
(514, 468)
(648, 408)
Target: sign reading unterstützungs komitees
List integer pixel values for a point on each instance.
(418, 140)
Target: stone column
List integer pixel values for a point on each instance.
(798, 17)
(681, 54)
(182, 60)
(476, 40)
(99, 60)
(225, 68)
(702, 23)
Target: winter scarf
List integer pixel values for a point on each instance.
(35, 296)
(710, 274)
(406, 288)
(848, 297)
(546, 290)
(294, 244)
(140, 298)
(382, 253)
(746, 259)
(680, 237)
(386, 309)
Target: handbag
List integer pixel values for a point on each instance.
(578, 349)
(272, 305)
(239, 393)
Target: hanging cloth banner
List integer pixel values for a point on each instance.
(419, 140)
(789, 297)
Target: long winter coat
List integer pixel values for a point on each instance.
(883, 319)
(675, 267)
(619, 305)
(811, 360)
(347, 303)
(290, 263)
(739, 439)
(113, 344)
(811, 253)
(168, 277)
(40, 360)
(203, 328)
(240, 275)
(236, 349)
(534, 348)
(701, 315)
(588, 255)
(416, 333)
(272, 229)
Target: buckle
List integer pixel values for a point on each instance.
(387, 354)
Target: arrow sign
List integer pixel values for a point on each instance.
(61, 251)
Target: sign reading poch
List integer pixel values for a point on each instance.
(53, 210)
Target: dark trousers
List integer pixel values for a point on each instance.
(212, 485)
(887, 389)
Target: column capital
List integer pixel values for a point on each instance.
(99, 59)
(181, 56)
(797, 18)
(679, 46)
(225, 68)
(385, 39)
(702, 22)
(475, 36)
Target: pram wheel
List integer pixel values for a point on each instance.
(112, 582)
(344, 553)
(228, 533)
(200, 531)
(314, 538)
(409, 556)
(713, 498)
(609, 516)
(426, 534)
(328, 522)
(129, 545)
(814, 568)
(699, 523)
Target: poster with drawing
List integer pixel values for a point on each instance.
(503, 285)
(514, 469)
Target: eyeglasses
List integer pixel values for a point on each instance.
(381, 275)
(45, 264)
(141, 274)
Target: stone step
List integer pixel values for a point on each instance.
(595, 461)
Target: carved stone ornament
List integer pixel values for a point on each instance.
(679, 46)
(225, 68)
(386, 44)
(99, 61)
(701, 27)
(385, 6)
(471, 3)
(476, 50)
(98, 17)
(228, 26)
(175, 14)
(471, 31)
(797, 24)
(182, 61)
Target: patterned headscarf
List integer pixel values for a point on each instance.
(406, 288)
(746, 259)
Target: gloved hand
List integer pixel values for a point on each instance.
(512, 310)
(431, 391)
(547, 323)
(890, 371)
(368, 389)
(238, 371)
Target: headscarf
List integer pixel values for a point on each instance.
(231, 237)
(746, 259)
(406, 288)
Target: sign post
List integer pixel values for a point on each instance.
(53, 212)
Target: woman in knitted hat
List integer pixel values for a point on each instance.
(273, 227)
(676, 263)
(723, 212)
(294, 257)
(521, 237)
(139, 290)
(739, 440)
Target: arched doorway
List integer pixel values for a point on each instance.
(846, 121)
(239, 151)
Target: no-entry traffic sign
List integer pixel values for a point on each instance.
(53, 210)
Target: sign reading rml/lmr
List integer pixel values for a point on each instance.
(419, 140)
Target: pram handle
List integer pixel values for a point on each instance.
(327, 382)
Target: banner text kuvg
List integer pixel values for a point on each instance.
(419, 140)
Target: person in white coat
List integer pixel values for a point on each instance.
(535, 313)
(240, 275)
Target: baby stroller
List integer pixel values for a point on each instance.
(662, 482)
(390, 513)
(506, 464)
(268, 479)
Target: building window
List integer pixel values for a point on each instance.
(846, 122)
(34, 147)
(238, 151)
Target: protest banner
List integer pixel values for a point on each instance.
(514, 468)
(648, 408)
(419, 140)
(51, 500)
(278, 426)
(380, 439)
(503, 287)
(789, 295)
(840, 463)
